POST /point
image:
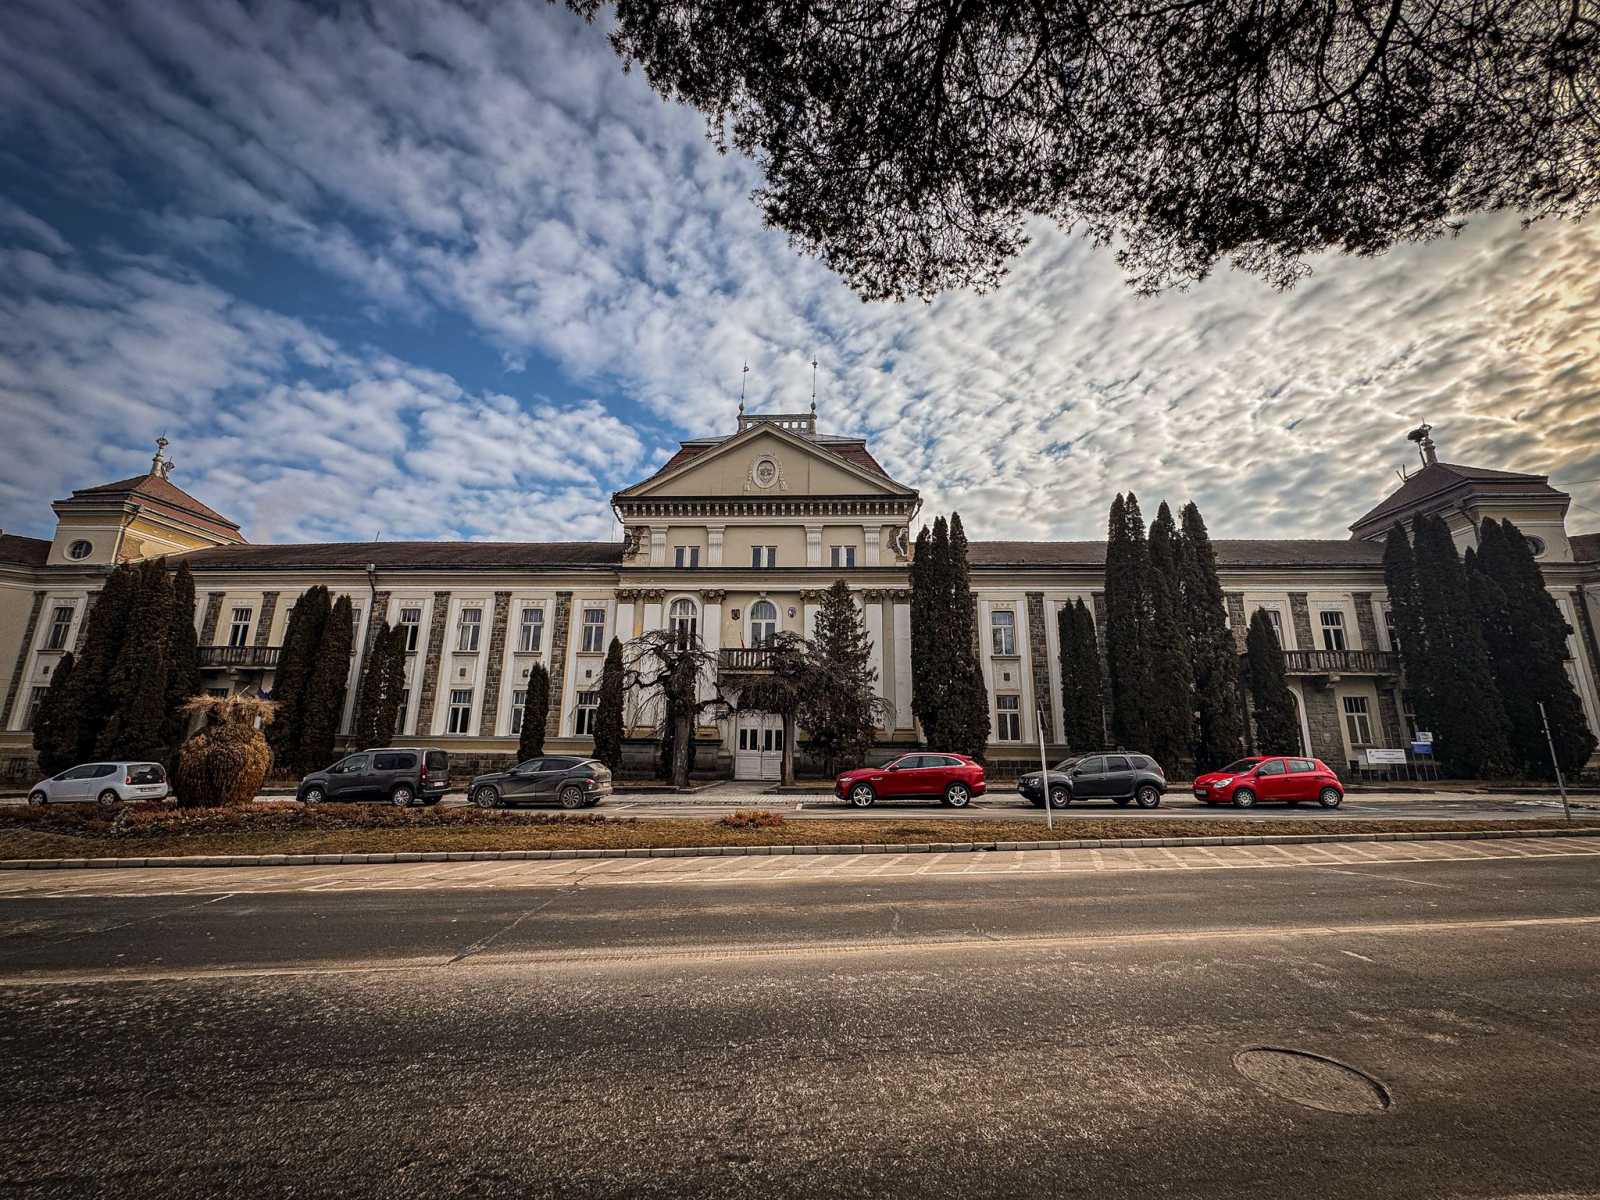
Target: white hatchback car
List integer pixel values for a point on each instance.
(106, 783)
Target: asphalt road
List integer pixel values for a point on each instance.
(1027, 1035)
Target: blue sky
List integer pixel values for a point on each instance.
(420, 272)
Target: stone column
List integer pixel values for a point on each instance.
(208, 627)
(873, 611)
(1366, 621)
(1300, 610)
(1238, 622)
(488, 725)
(23, 654)
(428, 685)
(560, 634)
(269, 610)
(1039, 662)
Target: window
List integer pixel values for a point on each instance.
(594, 630)
(1408, 716)
(1300, 766)
(143, 773)
(686, 556)
(60, 626)
(1003, 631)
(1117, 762)
(468, 629)
(1332, 629)
(1275, 619)
(1008, 718)
(411, 623)
(588, 705)
(530, 631)
(1388, 625)
(763, 556)
(356, 764)
(1273, 766)
(239, 630)
(685, 623)
(405, 707)
(394, 762)
(460, 710)
(1357, 720)
(79, 549)
(763, 623)
(843, 556)
(35, 698)
(1093, 766)
(355, 630)
(519, 702)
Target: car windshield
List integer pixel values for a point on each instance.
(1244, 764)
(1066, 764)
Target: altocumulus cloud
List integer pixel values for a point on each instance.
(498, 169)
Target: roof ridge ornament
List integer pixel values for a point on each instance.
(1425, 447)
(161, 465)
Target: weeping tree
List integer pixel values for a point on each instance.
(782, 688)
(535, 713)
(666, 669)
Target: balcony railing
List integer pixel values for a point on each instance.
(259, 657)
(1340, 662)
(755, 658)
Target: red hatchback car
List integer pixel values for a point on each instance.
(1290, 780)
(954, 778)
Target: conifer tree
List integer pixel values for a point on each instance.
(302, 637)
(930, 622)
(136, 687)
(55, 725)
(839, 706)
(969, 696)
(1277, 724)
(1128, 621)
(1410, 635)
(183, 661)
(1082, 699)
(1169, 707)
(535, 712)
(1527, 640)
(1467, 718)
(323, 704)
(381, 684)
(608, 715)
(1213, 658)
(102, 643)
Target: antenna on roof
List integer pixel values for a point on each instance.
(813, 386)
(1419, 435)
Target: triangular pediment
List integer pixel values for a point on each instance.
(767, 462)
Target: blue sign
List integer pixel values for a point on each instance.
(1422, 748)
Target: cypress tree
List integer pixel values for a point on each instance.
(1527, 640)
(55, 725)
(1082, 699)
(1170, 706)
(183, 662)
(308, 619)
(1128, 622)
(323, 705)
(608, 715)
(1467, 718)
(381, 684)
(969, 697)
(102, 643)
(931, 665)
(839, 707)
(1277, 726)
(535, 712)
(1220, 726)
(1410, 635)
(137, 684)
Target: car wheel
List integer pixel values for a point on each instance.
(1060, 797)
(957, 795)
(1331, 797)
(313, 795)
(402, 796)
(488, 796)
(37, 798)
(862, 796)
(108, 799)
(1244, 798)
(1148, 796)
(572, 796)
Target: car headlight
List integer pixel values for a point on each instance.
(1222, 783)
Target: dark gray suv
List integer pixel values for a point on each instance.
(1122, 778)
(570, 781)
(398, 775)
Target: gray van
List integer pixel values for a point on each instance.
(398, 775)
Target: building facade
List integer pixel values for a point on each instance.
(735, 538)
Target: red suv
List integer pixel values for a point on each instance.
(1290, 780)
(953, 778)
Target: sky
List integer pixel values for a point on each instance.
(417, 271)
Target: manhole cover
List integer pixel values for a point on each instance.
(1312, 1080)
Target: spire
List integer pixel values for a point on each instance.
(813, 386)
(160, 464)
(745, 370)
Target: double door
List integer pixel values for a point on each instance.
(758, 746)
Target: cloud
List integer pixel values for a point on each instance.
(496, 167)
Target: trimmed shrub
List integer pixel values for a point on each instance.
(226, 761)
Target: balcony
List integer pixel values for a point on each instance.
(1340, 662)
(259, 658)
(741, 659)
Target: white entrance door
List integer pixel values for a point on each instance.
(758, 752)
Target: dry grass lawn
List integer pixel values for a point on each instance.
(290, 828)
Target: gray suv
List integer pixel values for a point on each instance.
(398, 775)
(570, 781)
(1119, 777)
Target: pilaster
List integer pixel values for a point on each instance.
(208, 627)
(560, 635)
(488, 726)
(23, 655)
(1039, 661)
(269, 610)
(428, 687)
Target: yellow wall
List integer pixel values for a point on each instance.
(804, 472)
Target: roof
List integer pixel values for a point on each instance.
(1438, 478)
(390, 555)
(1585, 547)
(29, 552)
(853, 450)
(1230, 553)
(163, 492)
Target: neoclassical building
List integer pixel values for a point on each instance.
(736, 537)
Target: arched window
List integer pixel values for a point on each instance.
(763, 622)
(685, 622)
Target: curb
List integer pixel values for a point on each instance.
(306, 860)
